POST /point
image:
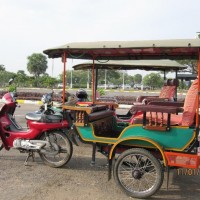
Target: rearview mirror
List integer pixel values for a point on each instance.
(10, 81)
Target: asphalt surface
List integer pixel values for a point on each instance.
(77, 180)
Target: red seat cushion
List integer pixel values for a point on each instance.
(175, 119)
(190, 104)
(167, 92)
(184, 119)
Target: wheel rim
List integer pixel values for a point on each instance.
(137, 173)
(62, 147)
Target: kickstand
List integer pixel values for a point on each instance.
(30, 154)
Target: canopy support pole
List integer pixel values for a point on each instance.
(176, 75)
(64, 76)
(93, 82)
(164, 75)
(197, 100)
(96, 82)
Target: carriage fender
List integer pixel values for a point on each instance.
(139, 139)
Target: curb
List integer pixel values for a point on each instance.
(29, 102)
(26, 101)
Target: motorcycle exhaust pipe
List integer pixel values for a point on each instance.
(29, 144)
(43, 147)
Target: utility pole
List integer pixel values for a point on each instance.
(52, 67)
(123, 79)
(88, 81)
(71, 85)
(105, 79)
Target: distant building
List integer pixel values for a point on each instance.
(186, 77)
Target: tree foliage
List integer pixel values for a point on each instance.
(153, 80)
(37, 64)
(2, 68)
(21, 78)
(191, 64)
(111, 76)
(137, 78)
(5, 77)
(80, 77)
(124, 76)
(47, 81)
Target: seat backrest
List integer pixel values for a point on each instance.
(169, 89)
(190, 104)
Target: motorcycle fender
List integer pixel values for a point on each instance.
(47, 126)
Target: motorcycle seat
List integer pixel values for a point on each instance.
(51, 118)
(33, 116)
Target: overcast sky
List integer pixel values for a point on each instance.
(31, 26)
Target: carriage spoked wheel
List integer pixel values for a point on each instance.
(138, 173)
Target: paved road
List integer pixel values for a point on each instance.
(77, 180)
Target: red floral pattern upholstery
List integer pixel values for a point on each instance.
(190, 104)
(187, 117)
(168, 92)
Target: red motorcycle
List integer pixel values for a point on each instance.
(45, 134)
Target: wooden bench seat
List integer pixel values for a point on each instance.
(100, 115)
(86, 114)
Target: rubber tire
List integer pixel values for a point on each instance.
(156, 163)
(1, 145)
(63, 162)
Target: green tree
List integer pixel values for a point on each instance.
(79, 78)
(137, 78)
(191, 65)
(37, 64)
(183, 86)
(128, 79)
(21, 78)
(2, 68)
(153, 80)
(47, 81)
(111, 76)
(21, 72)
(5, 77)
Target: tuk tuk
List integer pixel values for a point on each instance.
(166, 136)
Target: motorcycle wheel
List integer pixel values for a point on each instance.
(138, 173)
(1, 145)
(65, 149)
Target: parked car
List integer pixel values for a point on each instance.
(127, 86)
(137, 86)
(111, 86)
(141, 87)
(60, 85)
(146, 87)
(101, 86)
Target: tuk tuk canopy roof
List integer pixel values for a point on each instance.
(129, 50)
(132, 64)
